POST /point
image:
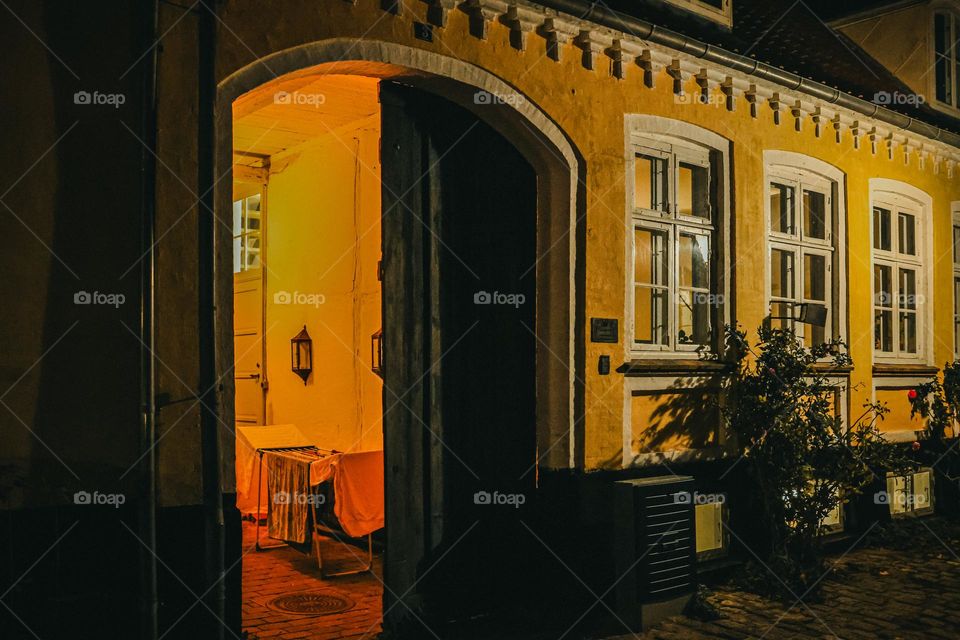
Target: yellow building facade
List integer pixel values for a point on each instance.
(682, 175)
(612, 95)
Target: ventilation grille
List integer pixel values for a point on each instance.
(667, 544)
(654, 540)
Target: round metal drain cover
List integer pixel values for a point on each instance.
(313, 603)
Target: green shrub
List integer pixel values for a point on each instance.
(803, 461)
(938, 403)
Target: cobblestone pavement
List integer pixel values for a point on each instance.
(284, 570)
(872, 593)
(906, 589)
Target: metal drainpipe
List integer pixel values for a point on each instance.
(648, 31)
(148, 399)
(209, 418)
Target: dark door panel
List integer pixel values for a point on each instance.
(459, 234)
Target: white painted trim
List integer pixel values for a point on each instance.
(774, 160)
(371, 58)
(640, 126)
(897, 192)
(898, 382)
(561, 27)
(536, 135)
(643, 124)
(659, 128)
(901, 435)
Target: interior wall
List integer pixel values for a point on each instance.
(323, 248)
(559, 197)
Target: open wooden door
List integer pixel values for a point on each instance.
(459, 298)
(248, 304)
(248, 346)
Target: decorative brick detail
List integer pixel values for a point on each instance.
(525, 17)
(482, 13)
(557, 32)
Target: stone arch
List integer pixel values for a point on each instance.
(535, 135)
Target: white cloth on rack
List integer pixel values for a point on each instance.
(288, 510)
(249, 439)
(357, 488)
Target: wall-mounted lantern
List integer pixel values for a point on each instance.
(301, 354)
(376, 352)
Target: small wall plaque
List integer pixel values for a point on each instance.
(604, 330)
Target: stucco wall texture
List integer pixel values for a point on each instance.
(589, 106)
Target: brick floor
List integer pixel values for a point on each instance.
(872, 593)
(267, 574)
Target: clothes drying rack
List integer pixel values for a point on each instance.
(308, 449)
(318, 527)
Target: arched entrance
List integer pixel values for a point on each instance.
(415, 487)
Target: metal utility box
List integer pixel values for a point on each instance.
(655, 547)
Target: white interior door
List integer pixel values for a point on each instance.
(248, 346)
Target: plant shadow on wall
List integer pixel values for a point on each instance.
(801, 459)
(683, 416)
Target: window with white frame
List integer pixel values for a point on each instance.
(801, 249)
(720, 11)
(956, 282)
(897, 277)
(673, 245)
(246, 232)
(946, 58)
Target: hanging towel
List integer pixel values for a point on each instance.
(249, 439)
(358, 489)
(289, 504)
